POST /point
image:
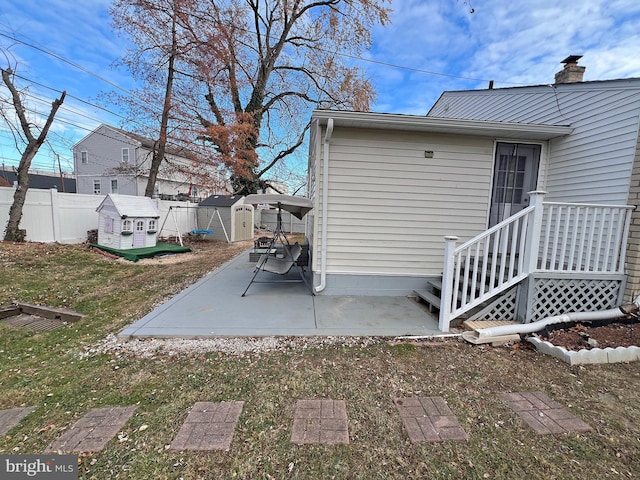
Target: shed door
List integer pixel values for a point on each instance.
(139, 233)
(515, 174)
(243, 223)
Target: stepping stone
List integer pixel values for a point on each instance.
(92, 432)
(11, 417)
(320, 421)
(543, 414)
(208, 426)
(429, 419)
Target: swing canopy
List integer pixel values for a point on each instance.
(297, 206)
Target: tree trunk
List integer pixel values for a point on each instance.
(158, 154)
(12, 232)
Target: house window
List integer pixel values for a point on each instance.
(125, 155)
(126, 226)
(114, 186)
(96, 187)
(108, 225)
(84, 158)
(151, 227)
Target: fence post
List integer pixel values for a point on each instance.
(55, 215)
(534, 231)
(447, 283)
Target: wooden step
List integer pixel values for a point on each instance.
(480, 324)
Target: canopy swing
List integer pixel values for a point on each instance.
(269, 262)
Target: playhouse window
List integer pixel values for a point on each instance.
(127, 226)
(140, 226)
(151, 227)
(108, 225)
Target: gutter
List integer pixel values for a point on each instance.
(325, 196)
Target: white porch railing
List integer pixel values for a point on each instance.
(546, 236)
(584, 238)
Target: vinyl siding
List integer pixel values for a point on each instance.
(593, 164)
(389, 207)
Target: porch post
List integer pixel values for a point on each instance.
(534, 230)
(446, 294)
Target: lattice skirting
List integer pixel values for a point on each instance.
(502, 308)
(555, 296)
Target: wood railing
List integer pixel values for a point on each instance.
(546, 236)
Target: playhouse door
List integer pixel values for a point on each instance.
(139, 234)
(515, 174)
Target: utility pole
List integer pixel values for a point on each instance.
(60, 169)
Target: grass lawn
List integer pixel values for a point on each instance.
(59, 373)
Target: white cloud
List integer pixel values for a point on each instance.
(511, 42)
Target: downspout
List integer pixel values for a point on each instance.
(611, 314)
(325, 196)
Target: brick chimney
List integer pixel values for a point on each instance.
(572, 72)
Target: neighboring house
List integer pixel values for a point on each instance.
(110, 160)
(126, 222)
(398, 184)
(227, 216)
(40, 180)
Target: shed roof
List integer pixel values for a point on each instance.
(130, 206)
(221, 200)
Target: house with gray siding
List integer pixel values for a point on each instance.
(514, 202)
(110, 160)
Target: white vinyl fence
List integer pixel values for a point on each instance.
(52, 216)
(269, 218)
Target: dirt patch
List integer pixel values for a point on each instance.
(581, 337)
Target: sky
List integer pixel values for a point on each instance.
(429, 47)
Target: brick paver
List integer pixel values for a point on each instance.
(543, 414)
(208, 426)
(429, 419)
(92, 432)
(320, 421)
(11, 417)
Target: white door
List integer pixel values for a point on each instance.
(515, 174)
(139, 233)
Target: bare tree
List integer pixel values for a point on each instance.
(154, 27)
(32, 137)
(246, 73)
(266, 63)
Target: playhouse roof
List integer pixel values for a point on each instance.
(130, 206)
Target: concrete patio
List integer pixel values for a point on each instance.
(214, 307)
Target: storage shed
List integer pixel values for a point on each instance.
(227, 216)
(127, 221)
